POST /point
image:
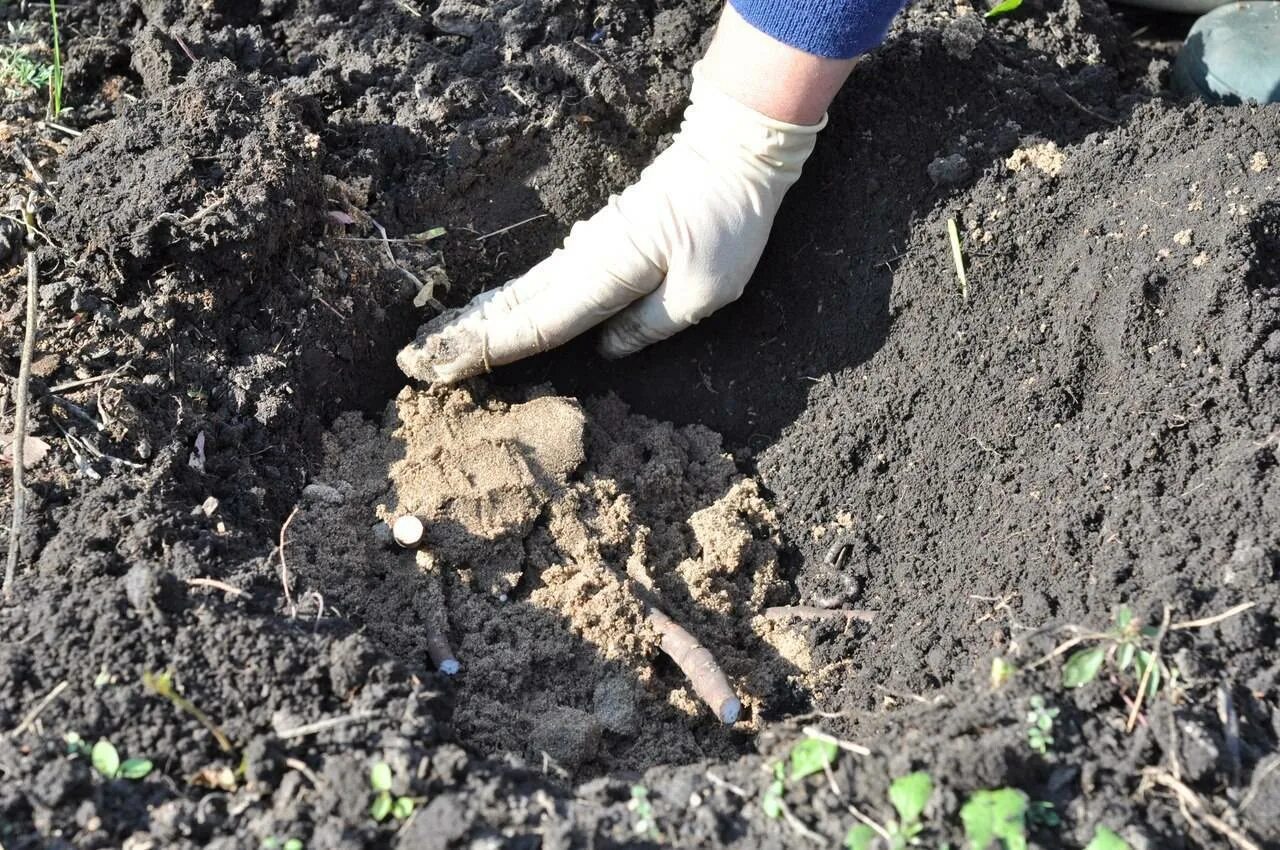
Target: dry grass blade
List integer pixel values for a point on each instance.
(1191, 802)
(1216, 618)
(39, 707)
(216, 585)
(20, 425)
(847, 746)
(284, 565)
(1152, 668)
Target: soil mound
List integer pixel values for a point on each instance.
(549, 529)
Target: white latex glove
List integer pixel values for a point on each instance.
(669, 251)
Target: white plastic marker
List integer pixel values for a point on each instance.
(407, 530)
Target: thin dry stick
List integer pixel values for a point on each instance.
(18, 450)
(1191, 800)
(216, 585)
(699, 665)
(301, 766)
(810, 612)
(324, 725)
(1152, 666)
(284, 565)
(502, 230)
(1216, 618)
(848, 746)
(40, 706)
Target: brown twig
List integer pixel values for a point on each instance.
(1152, 665)
(324, 725)
(216, 585)
(1192, 801)
(39, 707)
(810, 612)
(284, 565)
(699, 665)
(301, 766)
(18, 450)
(1216, 618)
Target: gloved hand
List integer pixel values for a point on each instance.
(669, 251)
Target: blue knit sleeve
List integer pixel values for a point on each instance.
(838, 29)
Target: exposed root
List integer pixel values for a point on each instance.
(699, 665)
(18, 450)
(1194, 809)
(284, 565)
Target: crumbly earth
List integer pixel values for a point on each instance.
(1093, 424)
(550, 530)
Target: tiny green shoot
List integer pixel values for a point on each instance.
(162, 684)
(642, 819)
(1125, 646)
(55, 73)
(1001, 672)
(384, 802)
(1004, 7)
(1105, 839)
(998, 815)
(909, 796)
(957, 254)
(771, 800)
(105, 759)
(812, 755)
(274, 843)
(1040, 725)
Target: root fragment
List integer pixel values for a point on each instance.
(697, 663)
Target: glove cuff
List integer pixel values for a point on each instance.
(715, 123)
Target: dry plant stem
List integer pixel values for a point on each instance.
(848, 746)
(809, 612)
(40, 706)
(699, 665)
(324, 725)
(18, 449)
(1147, 673)
(1216, 618)
(216, 585)
(301, 766)
(284, 565)
(1191, 801)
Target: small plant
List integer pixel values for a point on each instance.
(909, 796)
(384, 802)
(19, 72)
(161, 684)
(808, 756)
(1004, 7)
(1124, 646)
(105, 758)
(1105, 839)
(1040, 725)
(55, 73)
(1001, 672)
(274, 843)
(998, 815)
(642, 819)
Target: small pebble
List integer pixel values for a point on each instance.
(407, 531)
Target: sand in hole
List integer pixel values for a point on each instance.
(546, 522)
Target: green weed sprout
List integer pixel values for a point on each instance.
(1004, 7)
(1105, 839)
(274, 843)
(996, 815)
(105, 759)
(809, 756)
(384, 802)
(1124, 646)
(55, 73)
(909, 795)
(642, 820)
(1040, 725)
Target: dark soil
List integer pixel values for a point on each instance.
(1094, 425)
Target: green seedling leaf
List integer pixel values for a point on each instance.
(1001, 672)
(428, 235)
(910, 794)
(812, 756)
(999, 815)
(1124, 617)
(381, 806)
(1105, 839)
(402, 808)
(380, 777)
(135, 768)
(860, 837)
(1140, 665)
(1125, 658)
(105, 758)
(293, 844)
(771, 800)
(1004, 7)
(1083, 666)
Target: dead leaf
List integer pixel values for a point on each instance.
(34, 450)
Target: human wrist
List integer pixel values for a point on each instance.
(770, 77)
